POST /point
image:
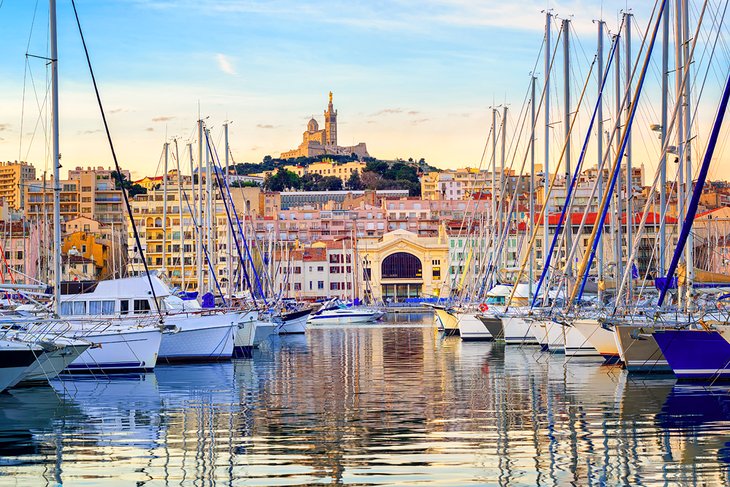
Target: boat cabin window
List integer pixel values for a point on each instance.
(105, 307)
(71, 308)
(124, 307)
(141, 306)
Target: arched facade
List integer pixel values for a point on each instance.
(401, 265)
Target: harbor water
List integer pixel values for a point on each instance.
(389, 404)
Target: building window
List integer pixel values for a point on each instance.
(320, 284)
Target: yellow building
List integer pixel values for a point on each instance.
(84, 248)
(402, 265)
(13, 177)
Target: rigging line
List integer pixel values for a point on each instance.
(119, 175)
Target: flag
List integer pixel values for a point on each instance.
(634, 271)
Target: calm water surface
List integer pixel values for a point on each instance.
(393, 404)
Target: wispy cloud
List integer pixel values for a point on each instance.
(225, 64)
(163, 118)
(264, 126)
(387, 111)
(420, 121)
(88, 132)
(413, 112)
(149, 129)
(4, 127)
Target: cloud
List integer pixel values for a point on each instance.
(264, 126)
(4, 127)
(149, 129)
(413, 112)
(225, 64)
(117, 110)
(88, 132)
(420, 121)
(163, 118)
(387, 111)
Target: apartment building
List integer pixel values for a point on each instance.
(13, 178)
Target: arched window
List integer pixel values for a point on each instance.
(401, 265)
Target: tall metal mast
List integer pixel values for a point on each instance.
(209, 212)
(566, 123)
(663, 163)
(181, 215)
(56, 160)
(679, 72)
(546, 165)
(229, 243)
(689, 249)
(616, 220)
(599, 148)
(199, 204)
(164, 209)
(502, 190)
(531, 227)
(629, 169)
(495, 219)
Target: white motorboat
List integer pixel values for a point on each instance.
(292, 323)
(245, 334)
(336, 313)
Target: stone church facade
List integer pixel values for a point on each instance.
(316, 142)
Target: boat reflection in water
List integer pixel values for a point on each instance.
(376, 405)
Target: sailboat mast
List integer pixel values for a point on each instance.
(616, 220)
(209, 211)
(679, 74)
(629, 169)
(599, 148)
(533, 119)
(495, 220)
(56, 159)
(566, 123)
(229, 252)
(199, 212)
(546, 165)
(689, 249)
(180, 213)
(502, 191)
(164, 208)
(663, 163)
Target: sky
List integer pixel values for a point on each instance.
(411, 78)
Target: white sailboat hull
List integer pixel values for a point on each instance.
(132, 350)
(517, 330)
(471, 328)
(555, 337)
(199, 337)
(53, 362)
(601, 339)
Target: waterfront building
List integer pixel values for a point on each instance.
(318, 142)
(320, 271)
(401, 265)
(13, 177)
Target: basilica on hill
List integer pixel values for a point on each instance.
(316, 142)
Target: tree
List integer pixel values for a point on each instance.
(120, 181)
(331, 183)
(281, 181)
(354, 182)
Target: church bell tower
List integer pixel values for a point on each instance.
(330, 124)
